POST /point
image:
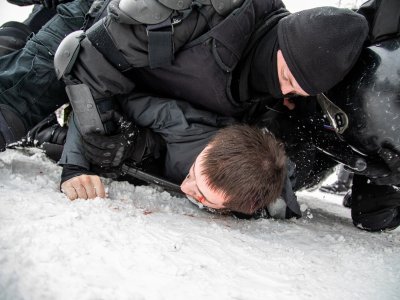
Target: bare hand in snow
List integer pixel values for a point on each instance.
(84, 187)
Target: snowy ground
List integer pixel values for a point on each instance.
(141, 243)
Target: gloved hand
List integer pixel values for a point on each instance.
(107, 151)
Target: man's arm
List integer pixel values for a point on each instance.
(77, 180)
(185, 129)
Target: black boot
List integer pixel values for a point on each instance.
(374, 207)
(49, 136)
(12, 129)
(47, 131)
(347, 200)
(338, 187)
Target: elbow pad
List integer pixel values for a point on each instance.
(67, 53)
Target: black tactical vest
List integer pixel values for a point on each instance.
(201, 72)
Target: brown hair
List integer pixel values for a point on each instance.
(248, 165)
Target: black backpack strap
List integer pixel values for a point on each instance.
(160, 39)
(160, 44)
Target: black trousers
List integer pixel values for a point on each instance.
(28, 83)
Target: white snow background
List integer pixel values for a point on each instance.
(142, 243)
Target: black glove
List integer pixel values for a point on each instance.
(110, 151)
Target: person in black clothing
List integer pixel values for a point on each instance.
(29, 89)
(129, 60)
(115, 59)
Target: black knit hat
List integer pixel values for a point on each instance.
(321, 45)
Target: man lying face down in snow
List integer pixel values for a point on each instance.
(239, 168)
(260, 157)
(234, 172)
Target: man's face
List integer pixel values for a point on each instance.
(288, 83)
(195, 185)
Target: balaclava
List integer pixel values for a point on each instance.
(263, 75)
(321, 45)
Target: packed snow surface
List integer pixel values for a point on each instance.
(143, 243)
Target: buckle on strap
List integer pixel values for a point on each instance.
(160, 44)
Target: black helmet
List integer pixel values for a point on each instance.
(370, 96)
